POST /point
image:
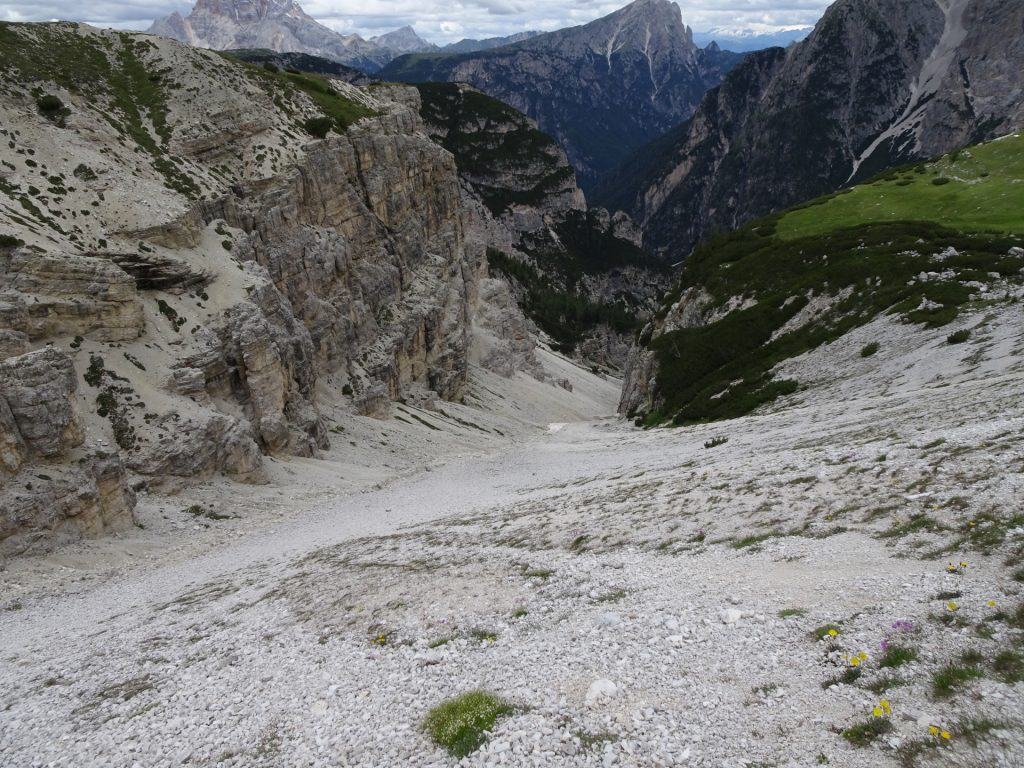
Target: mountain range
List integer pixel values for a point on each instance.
(602, 89)
(877, 83)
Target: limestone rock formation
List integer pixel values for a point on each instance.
(38, 388)
(46, 295)
(232, 262)
(39, 428)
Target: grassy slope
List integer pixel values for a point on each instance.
(985, 192)
(865, 249)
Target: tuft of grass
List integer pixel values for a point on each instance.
(863, 734)
(884, 683)
(952, 676)
(785, 613)
(897, 656)
(460, 725)
(848, 676)
(1009, 666)
(959, 337)
(824, 631)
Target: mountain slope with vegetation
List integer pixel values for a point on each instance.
(878, 83)
(924, 244)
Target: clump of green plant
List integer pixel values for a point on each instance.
(785, 613)
(896, 656)
(10, 241)
(955, 674)
(959, 337)
(171, 314)
(198, 510)
(53, 109)
(715, 442)
(1009, 666)
(94, 373)
(869, 349)
(863, 734)
(318, 126)
(825, 632)
(460, 725)
(84, 172)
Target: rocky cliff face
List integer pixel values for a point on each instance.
(877, 83)
(277, 25)
(579, 274)
(208, 267)
(601, 89)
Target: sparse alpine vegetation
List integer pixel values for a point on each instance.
(855, 260)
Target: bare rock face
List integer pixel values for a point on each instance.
(364, 243)
(43, 501)
(38, 388)
(44, 295)
(53, 504)
(12, 447)
(199, 447)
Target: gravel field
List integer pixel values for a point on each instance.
(638, 598)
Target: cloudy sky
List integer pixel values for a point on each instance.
(440, 21)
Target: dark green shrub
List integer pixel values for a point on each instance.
(318, 126)
(959, 337)
(869, 349)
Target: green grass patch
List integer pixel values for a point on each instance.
(981, 191)
(786, 613)
(953, 676)
(460, 725)
(864, 734)
(897, 656)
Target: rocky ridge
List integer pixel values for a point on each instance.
(281, 26)
(601, 89)
(876, 84)
(209, 270)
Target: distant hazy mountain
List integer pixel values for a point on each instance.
(743, 42)
(878, 82)
(602, 89)
(276, 25)
(466, 45)
(403, 40)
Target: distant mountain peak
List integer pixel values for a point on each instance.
(403, 40)
(277, 25)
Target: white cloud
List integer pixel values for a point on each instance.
(441, 21)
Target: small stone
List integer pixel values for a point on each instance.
(730, 615)
(600, 691)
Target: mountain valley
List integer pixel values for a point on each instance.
(590, 399)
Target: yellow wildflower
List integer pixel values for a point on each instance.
(854, 661)
(933, 730)
(832, 633)
(963, 564)
(886, 706)
(877, 712)
(863, 656)
(991, 603)
(946, 735)
(951, 605)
